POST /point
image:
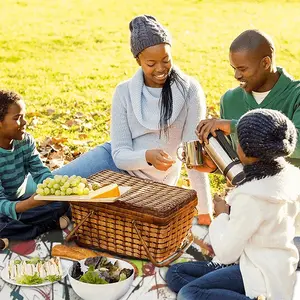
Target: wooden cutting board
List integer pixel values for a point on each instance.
(83, 198)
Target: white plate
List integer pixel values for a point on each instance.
(64, 264)
(77, 198)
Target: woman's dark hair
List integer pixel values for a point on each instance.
(166, 100)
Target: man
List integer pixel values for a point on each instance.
(262, 85)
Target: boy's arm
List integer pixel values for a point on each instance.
(37, 169)
(7, 207)
(12, 208)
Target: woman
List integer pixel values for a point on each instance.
(152, 114)
(259, 232)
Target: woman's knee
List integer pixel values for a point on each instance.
(91, 162)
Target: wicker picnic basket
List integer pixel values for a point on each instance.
(150, 221)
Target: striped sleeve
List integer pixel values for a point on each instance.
(7, 207)
(37, 169)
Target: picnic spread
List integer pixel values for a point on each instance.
(149, 283)
(149, 226)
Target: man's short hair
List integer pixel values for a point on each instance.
(251, 40)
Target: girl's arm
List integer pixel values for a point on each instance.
(196, 111)
(230, 234)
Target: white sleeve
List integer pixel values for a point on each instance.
(123, 154)
(196, 111)
(230, 234)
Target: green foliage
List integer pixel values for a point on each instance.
(68, 56)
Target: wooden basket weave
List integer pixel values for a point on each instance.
(150, 221)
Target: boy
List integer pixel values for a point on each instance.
(22, 217)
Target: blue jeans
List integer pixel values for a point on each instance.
(91, 162)
(33, 222)
(206, 280)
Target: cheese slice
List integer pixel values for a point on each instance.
(108, 191)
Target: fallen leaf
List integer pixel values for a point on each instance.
(78, 114)
(78, 143)
(83, 136)
(50, 111)
(70, 123)
(33, 122)
(56, 163)
(87, 125)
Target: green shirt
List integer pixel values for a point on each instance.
(284, 96)
(15, 165)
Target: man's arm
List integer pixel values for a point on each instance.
(296, 121)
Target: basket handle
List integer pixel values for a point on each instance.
(184, 246)
(73, 231)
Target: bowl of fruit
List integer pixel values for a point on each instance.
(111, 278)
(77, 188)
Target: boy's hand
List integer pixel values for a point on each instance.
(159, 159)
(29, 203)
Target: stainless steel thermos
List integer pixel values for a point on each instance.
(221, 152)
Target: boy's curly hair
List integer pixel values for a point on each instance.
(7, 98)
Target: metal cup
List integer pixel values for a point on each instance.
(193, 153)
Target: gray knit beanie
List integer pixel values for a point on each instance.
(266, 134)
(146, 32)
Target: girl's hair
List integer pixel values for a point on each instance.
(7, 98)
(166, 100)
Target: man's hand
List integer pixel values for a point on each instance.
(159, 159)
(29, 203)
(205, 127)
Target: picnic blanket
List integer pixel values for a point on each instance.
(148, 285)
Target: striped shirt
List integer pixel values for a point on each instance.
(15, 165)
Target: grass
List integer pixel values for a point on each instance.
(68, 55)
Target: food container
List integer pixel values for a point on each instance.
(110, 291)
(150, 221)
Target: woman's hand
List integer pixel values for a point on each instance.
(159, 159)
(220, 206)
(205, 127)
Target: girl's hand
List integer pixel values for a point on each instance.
(159, 159)
(220, 206)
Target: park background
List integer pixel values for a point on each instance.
(65, 57)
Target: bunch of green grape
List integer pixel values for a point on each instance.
(65, 186)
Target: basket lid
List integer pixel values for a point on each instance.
(146, 196)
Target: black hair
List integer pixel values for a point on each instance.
(251, 40)
(166, 99)
(7, 98)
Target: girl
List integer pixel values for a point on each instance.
(259, 232)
